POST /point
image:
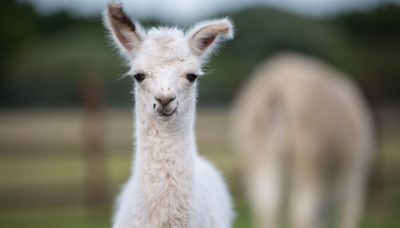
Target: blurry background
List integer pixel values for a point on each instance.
(64, 151)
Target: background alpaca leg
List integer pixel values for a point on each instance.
(306, 204)
(307, 191)
(266, 180)
(352, 180)
(265, 187)
(351, 194)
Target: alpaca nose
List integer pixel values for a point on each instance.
(164, 100)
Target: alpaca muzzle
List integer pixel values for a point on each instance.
(165, 106)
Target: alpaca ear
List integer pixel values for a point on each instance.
(206, 36)
(127, 35)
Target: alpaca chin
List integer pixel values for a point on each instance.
(167, 118)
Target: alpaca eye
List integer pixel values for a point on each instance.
(191, 77)
(139, 77)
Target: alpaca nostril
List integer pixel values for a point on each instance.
(154, 105)
(159, 100)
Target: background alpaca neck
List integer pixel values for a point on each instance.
(164, 169)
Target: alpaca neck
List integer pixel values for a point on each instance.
(164, 168)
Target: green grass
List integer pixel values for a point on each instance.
(42, 172)
(61, 218)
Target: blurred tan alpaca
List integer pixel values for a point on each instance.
(300, 120)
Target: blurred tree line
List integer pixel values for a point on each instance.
(44, 58)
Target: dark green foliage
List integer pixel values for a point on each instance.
(18, 22)
(376, 35)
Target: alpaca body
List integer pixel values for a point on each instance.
(301, 119)
(170, 185)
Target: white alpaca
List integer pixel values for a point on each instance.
(170, 185)
(300, 118)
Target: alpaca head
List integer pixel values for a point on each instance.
(165, 61)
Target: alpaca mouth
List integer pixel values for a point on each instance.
(169, 114)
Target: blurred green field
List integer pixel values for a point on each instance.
(42, 171)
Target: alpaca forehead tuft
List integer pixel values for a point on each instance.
(166, 45)
(165, 31)
(167, 38)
